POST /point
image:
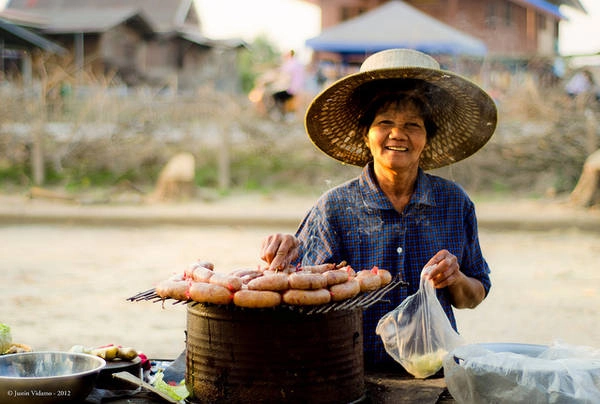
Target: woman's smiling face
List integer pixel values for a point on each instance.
(397, 135)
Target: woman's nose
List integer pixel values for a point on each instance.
(396, 132)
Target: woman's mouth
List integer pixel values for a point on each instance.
(397, 148)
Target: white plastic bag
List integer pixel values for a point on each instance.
(523, 373)
(417, 333)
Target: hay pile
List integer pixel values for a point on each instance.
(540, 146)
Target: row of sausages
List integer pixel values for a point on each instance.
(262, 288)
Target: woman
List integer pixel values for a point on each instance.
(399, 116)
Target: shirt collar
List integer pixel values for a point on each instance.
(374, 197)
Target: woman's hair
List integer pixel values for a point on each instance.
(373, 99)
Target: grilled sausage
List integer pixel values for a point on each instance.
(385, 275)
(318, 269)
(244, 272)
(346, 290)
(287, 270)
(209, 293)
(275, 282)
(368, 280)
(233, 283)
(335, 276)
(298, 297)
(307, 280)
(256, 298)
(248, 277)
(173, 288)
(350, 270)
(198, 273)
(205, 264)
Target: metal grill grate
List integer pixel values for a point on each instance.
(362, 300)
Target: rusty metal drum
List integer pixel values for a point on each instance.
(281, 355)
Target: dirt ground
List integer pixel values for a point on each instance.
(65, 284)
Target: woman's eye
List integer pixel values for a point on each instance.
(388, 123)
(385, 123)
(413, 125)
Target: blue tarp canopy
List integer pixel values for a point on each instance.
(396, 24)
(545, 6)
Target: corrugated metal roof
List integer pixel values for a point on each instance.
(14, 36)
(164, 15)
(396, 24)
(99, 19)
(88, 20)
(576, 4)
(199, 39)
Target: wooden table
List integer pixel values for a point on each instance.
(382, 388)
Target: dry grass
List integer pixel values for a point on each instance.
(99, 137)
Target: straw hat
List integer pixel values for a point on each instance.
(463, 112)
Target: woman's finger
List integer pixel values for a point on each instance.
(270, 247)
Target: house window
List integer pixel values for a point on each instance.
(490, 14)
(129, 50)
(541, 20)
(508, 17)
(347, 13)
(426, 2)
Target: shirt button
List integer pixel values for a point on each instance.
(399, 250)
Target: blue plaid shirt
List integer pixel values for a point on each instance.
(356, 222)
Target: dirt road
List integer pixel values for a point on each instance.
(64, 285)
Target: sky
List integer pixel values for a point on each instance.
(581, 33)
(289, 23)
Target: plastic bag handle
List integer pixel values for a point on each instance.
(457, 360)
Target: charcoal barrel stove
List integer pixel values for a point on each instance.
(278, 355)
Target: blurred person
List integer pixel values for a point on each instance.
(398, 117)
(582, 82)
(290, 83)
(583, 90)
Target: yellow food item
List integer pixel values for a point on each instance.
(424, 365)
(18, 348)
(108, 353)
(126, 353)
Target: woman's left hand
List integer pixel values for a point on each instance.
(465, 292)
(445, 271)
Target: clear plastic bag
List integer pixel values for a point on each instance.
(523, 373)
(417, 333)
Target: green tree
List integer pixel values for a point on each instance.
(260, 56)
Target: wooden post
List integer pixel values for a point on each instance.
(587, 190)
(37, 152)
(592, 128)
(224, 159)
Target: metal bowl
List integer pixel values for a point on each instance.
(48, 377)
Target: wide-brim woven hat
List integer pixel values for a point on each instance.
(464, 113)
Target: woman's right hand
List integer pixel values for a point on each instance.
(279, 250)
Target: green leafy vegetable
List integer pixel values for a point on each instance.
(5, 338)
(178, 392)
